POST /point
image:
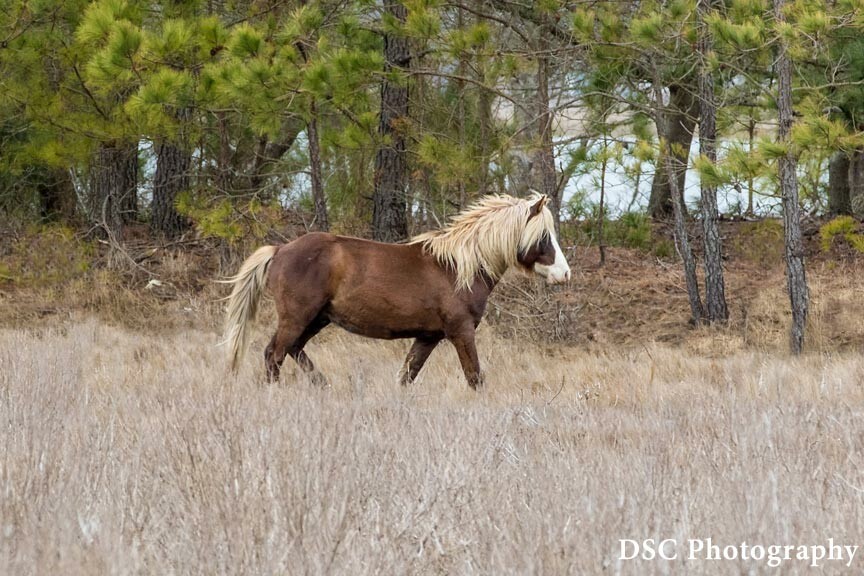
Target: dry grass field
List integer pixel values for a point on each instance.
(126, 448)
(124, 452)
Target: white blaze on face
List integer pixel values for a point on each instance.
(559, 271)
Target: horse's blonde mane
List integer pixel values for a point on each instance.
(487, 237)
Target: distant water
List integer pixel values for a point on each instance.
(620, 192)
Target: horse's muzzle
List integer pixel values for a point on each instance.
(558, 276)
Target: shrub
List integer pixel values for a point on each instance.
(230, 220)
(844, 226)
(663, 249)
(630, 230)
(634, 230)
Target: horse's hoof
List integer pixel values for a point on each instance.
(477, 384)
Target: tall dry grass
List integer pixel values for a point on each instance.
(130, 454)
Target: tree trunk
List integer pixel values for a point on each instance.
(460, 113)
(173, 165)
(269, 153)
(485, 127)
(224, 176)
(113, 181)
(522, 174)
(751, 187)
(839, 175)
(129, 191)
(795, 274)
(683, 243)
(484, 119)
(545, 159)
(676, 126)
(322, 222)
(671, 163)
(57, 196)
(601, 213)
(715, 290)
(856, 183)
(390, 205)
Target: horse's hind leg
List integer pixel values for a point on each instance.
(290, 338)
(270, 363)
(417, 356)
(278, 347)
(300, 356)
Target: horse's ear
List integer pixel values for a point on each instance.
(537, 207)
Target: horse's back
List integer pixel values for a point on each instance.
(302, 265)
(329, 262)
(372, 288)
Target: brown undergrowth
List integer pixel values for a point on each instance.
(634, 300)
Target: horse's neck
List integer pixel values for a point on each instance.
(483, 286)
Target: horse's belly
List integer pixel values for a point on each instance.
(384, 322)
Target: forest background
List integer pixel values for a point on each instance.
(237, 122)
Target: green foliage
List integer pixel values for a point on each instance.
(710, 174)
(648, 30)
(582, 23)
(745, 163)
(99, 25)
(611, 26)
(422, 23)
(155, 104)
(227, 220)
(304, 22)
(629, 230)
(771, 149)
(633, 230)
(217, 219)
(176, 44)
(246, 42)
(663, 249)
(816, 130)
(744, 36)
(236, 80)
(436, 154)
(845, 227)
(743, 10)
(45, 255)
(462, 40)
(814, 23)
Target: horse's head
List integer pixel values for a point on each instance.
(539, 250)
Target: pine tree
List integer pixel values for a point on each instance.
(110, 40)
(676, 125)
(162, 111)
(35, 153)
(715, 288)
(389, 216)
(795, 273)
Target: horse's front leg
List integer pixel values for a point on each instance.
(463, 341)
(417, 356)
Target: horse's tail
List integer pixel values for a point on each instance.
(248, 285)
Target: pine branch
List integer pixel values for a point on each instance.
(88, 93)
(486, 16)
(467, 79)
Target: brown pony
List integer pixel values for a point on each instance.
(432, 288)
